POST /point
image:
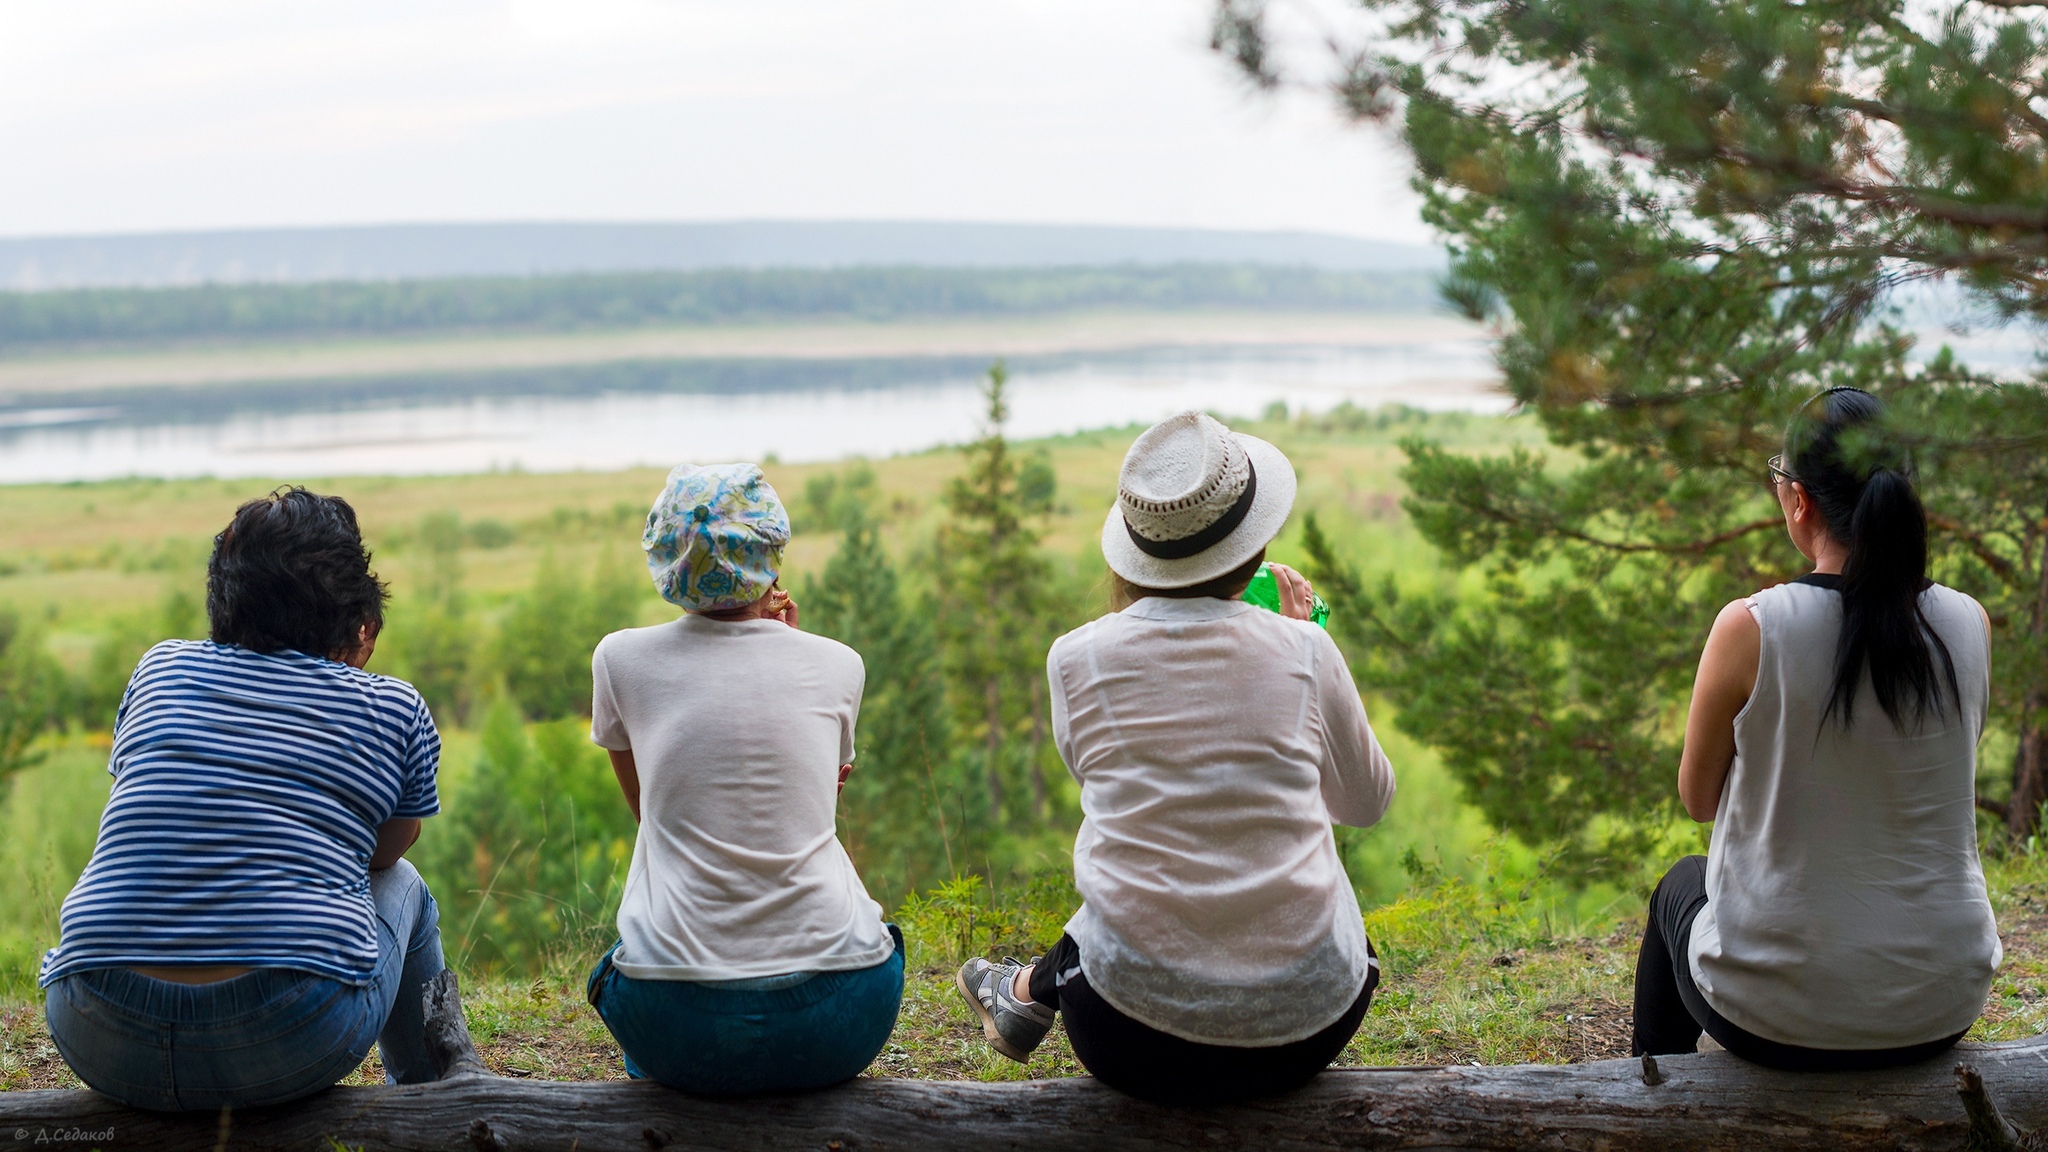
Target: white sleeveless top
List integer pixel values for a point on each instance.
(1845, 902)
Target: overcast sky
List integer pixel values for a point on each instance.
(118, 115)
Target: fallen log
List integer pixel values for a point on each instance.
(1707, 1101)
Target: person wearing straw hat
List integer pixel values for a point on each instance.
(751, 958)
(1218, 953)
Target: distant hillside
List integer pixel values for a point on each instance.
(626, 300)
(426, 251)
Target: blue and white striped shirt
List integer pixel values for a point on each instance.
(248, 789)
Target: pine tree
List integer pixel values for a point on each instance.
(902, 814)
(1687, 217)
(996, 618)
(436, 643)
(544, 645)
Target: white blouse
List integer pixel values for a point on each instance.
(1215, 742)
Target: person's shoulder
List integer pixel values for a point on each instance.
(1266, 624)
(818, 641)
(1101, 630)
(1795, 604)
(824, 649)
(396, 699)
(1263, 619)
(1738, 631)
(165, 652)
(627, 643)
(1318, 636)
(389, 687)
(1789, 590)
(201, 658)
(1962, 604)
(1942, 593)
(1741, 612)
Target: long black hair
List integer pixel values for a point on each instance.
(290, 573)
(1838, 448)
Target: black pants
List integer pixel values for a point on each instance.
(1670, 1012)
(1152, 1065)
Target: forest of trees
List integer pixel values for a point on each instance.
(1687, 217)
(631, 299)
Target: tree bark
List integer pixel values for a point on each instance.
(1709, 1101)
(2030, 761)
(2029, 782)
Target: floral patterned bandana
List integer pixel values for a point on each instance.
(714, 538)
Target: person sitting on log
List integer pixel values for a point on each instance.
(1218, 953)
(750, 956)
(247, 926)
(1839, 919)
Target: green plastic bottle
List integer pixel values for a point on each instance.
(1265, 592)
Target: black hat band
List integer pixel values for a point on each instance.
(1208, 537)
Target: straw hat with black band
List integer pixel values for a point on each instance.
(1194, 502)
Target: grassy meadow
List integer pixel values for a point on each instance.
(1487, 959)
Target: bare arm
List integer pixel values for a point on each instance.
(629, 778)
(394, 836)
(1726, 679)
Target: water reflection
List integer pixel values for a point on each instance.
(613, 416)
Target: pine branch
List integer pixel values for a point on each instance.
(1979, 547)
(1905, 198)
(1689, 548)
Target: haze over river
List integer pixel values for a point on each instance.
(615, 415)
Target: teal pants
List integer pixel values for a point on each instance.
(733, 1037)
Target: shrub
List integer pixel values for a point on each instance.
(545, 642)
(529, 860)
(966, 916)
(31, 688)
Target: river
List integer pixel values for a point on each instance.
(658, 413)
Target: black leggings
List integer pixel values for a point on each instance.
(1670, 1012)
(1153, 1065)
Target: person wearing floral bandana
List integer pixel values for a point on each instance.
(751, 958)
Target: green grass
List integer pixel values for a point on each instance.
(83, 557)
(46, 835)
(1504, 968)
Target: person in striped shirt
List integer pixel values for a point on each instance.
(248, 925)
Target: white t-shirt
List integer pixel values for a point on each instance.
(1215, 742)
(738, 730)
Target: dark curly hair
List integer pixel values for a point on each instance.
(290, 573)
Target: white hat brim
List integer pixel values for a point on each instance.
(1271, 505)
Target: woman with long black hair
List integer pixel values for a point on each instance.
(1839, 919)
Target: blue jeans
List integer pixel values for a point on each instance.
(265, 1037)
(729, 1037)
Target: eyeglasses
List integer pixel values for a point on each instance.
(1778, 473)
